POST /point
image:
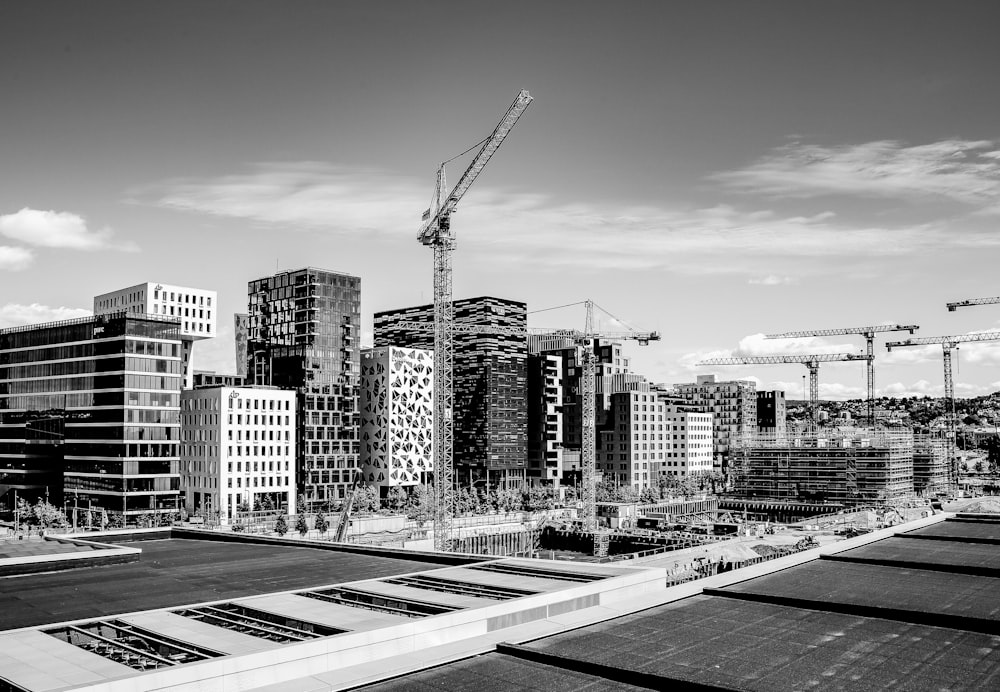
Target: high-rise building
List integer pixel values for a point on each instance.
(733, 406)
(195, 309)
(303, 335)
(771, 412)
(397, 416)
(89, 412)
(548, 458)
(237, 448)
(489, 378)
(555, 407)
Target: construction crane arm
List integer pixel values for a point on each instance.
(641, 337)
(775, 360)
(432, 225)
(846, 330)
(944, 340)
(952, 307)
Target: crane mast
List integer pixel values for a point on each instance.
(436, 232)
(948, 344)
(869, 334)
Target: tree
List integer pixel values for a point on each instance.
(420, 504)
(281, 525)
(301, 525)
(320, 523)
(366, 500)
(396, 499)
(267, 505)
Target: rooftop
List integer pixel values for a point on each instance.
(916, 611)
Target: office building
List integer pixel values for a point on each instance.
(303, 335)
(733, 406)
(489, 380)
(843, 467)
(237, 449)
(397, 416)
(194, 308)
(89, 412)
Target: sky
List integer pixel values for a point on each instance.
(715, 171)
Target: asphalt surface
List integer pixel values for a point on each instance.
(174, 572)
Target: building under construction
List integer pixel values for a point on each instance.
(930, 464)
(844, 467)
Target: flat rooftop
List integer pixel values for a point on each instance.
(178, 571)
(917, 611)
(239, 612)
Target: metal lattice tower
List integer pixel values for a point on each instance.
(436, 233)
(869, 334)
(948, 344)
(588, 447)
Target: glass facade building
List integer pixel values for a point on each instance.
(303, 331)
(89, 412)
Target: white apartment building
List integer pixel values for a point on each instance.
(237, 446)
(734, 408)
(196, 310)
(689, 434)
(397, 416)
(646, 437)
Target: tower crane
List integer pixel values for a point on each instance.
(869, 334)
(948, 344)
(952, 307)
(810, 361)
(436, 233)
(588, 451)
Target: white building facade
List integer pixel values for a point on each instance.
(397, 416)
(196, 310)
(734, 407)
(646, 438)
(689, 436)
(237, 448)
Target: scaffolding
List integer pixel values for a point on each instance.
(847, 467)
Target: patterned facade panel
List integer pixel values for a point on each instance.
(397, 412)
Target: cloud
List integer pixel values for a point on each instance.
(57, 229)
(771, 280)
(302, 194)
(16, 315)
(959, 170)
(15, 258)
(528, 229)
